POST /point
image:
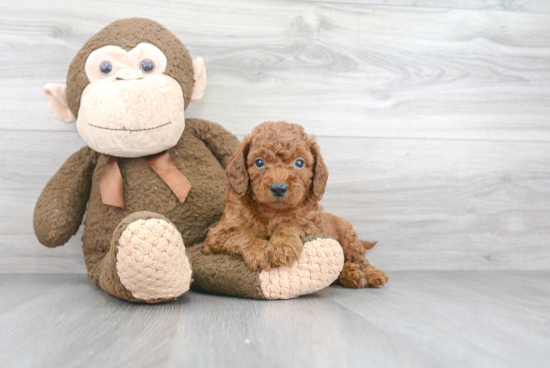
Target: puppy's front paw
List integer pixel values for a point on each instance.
(283, 251)
(255, 255)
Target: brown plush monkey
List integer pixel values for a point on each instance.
(152, 181)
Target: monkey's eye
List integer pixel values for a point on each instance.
(259, 163)
(299, 163)
(106, 67)
(147, 66)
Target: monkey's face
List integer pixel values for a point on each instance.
(130, 108)
(128, 87)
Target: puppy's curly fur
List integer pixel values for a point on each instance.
(267, 228)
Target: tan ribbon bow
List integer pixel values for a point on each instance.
(110, 184)
(112, 189)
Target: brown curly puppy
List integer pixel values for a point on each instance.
(277, 176)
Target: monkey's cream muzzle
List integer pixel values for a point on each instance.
(127, 112)
(132, 117)
(130, 108)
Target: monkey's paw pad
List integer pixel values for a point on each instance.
(151, 260)
(318, 266)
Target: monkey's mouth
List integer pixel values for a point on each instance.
(130, 130)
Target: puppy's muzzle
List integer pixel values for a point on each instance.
(278, 189)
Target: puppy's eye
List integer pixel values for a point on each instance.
(299, 163)
(147, 66)
(106, 67)
(259, 163)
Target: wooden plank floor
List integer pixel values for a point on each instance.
(421, 319)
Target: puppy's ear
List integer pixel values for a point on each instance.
(320, 172)
(236, 169)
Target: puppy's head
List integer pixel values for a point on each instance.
(278, 164)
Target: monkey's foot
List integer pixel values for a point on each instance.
(151, 261)
(318, 266)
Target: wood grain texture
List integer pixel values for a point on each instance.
(534, 6)
(420, 319)
(431, 204)
(340, 69)
(434, 122)
(474, 319)
(17, 289)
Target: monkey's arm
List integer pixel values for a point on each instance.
(61, 206)
(220, 141)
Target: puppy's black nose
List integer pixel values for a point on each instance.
(278, 189)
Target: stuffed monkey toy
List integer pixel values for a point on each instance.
(153, 182)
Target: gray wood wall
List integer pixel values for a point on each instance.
(433, 116)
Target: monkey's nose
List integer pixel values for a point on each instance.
(278, 189)
(129, 74)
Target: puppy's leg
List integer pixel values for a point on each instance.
(240, 242)
(357, 272)
(285, 245)
(354, 275)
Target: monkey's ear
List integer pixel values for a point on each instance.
(56, 95)
(199, 74)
